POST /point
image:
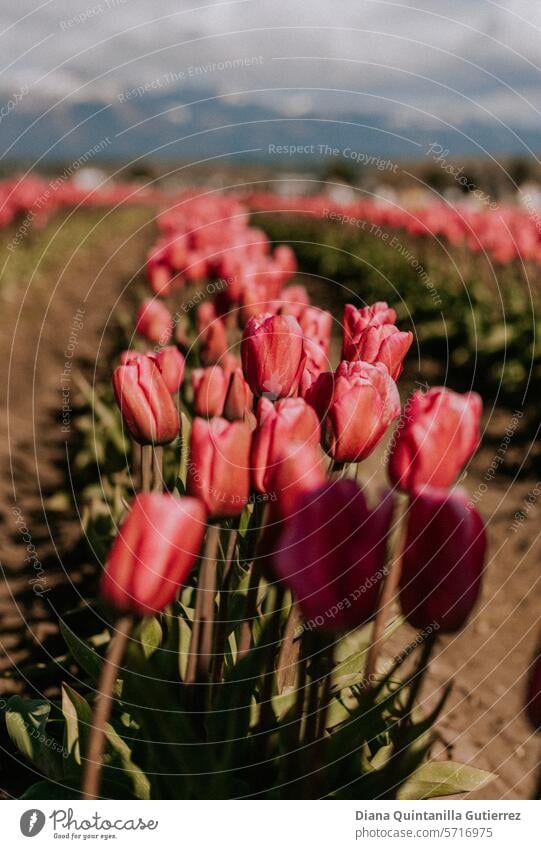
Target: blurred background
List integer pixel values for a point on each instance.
(133, 86)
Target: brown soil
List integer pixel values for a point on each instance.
(86, 263)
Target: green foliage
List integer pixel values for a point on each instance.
(472, 316)
(236, 737)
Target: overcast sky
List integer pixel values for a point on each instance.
(413, 61)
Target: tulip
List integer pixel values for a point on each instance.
(209, 388)
(298, 469)
(332, 555)
(290, 419)
(356, 405)
(205, 315)
(239, 398)
(443, 560)
(171, 364)
(145, 402)
(169, 361)
(437, 435)
(316, 325)
(218, 471)
(370, 335)
(273, 355)
(154, 322)
(533, 694)
(213, 342)
(153, 553)
(293, 301)
(286, 261)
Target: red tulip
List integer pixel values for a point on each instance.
(316, 325)
(443, 560)
(298, 469)
(533, 694)
(205, 315)
(213, 342)
(159, 278)
(370, 335)
(273, 355)
(239, 399)
(332, 555)
(290, 419)
(218, 471)
(154, 322)
(171, 364)
(293, 301)
(145, 403)
(437, 435)
(153, 553)
(356, 405)
(209, 388)
(286, 260)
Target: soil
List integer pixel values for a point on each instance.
(85, 262)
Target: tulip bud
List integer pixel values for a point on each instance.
(443, 560)
(316, 325)
(239, 399)
(298, 469)
(213, 342)
(436, 436)
(145, 402)
(370, 335)
(205, 315)
(171, 364)
(286, 260)
(273, 355)
(209, 391)
(293, 301)
(218, 471)
(154, 322)
(290, 419)
(332, 555)
(356, 405)
(153, 553)
(533, 694)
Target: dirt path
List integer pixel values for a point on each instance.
(55, 298)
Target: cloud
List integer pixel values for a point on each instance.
(414, 61)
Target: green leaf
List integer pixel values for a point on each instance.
(26, 721)
(50, 790)
(82, 653)
(78, 715)
(443, 778)
(150, 635)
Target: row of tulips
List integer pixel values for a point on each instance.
(252, 585)
(505, 234)
(37, 198)
(255, 485)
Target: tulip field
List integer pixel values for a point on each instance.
(279, 491)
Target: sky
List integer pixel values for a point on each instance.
(417, 64)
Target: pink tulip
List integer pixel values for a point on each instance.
(370, 335)
(154, 322)
(145, 402)
(209, 388)
(218, 471)
(289, 420)
(356, 405)
(436, 436)
(273, 355)
(153, 553)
